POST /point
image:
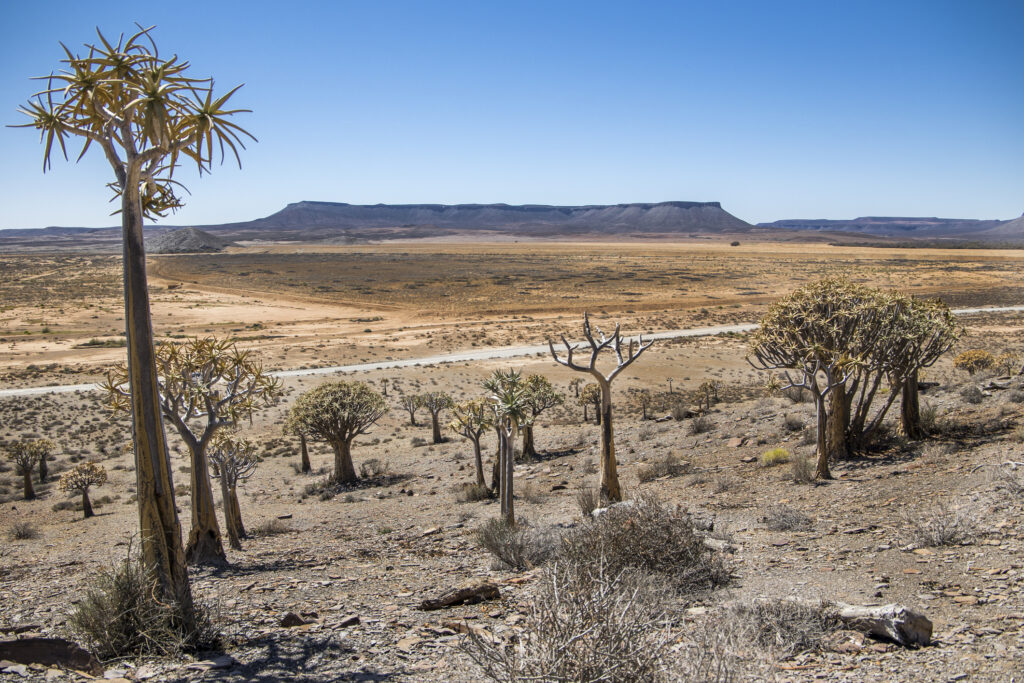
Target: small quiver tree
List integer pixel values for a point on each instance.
(707, 395)
(411, 403)
(973, 361)
(590, 396)
(26, 455)
(470, 419)
(45, 448)
(508, 403)
(234, 460)
(435, 402)
(80, 479)
(643, 399)
(541, 396)
(338, 412)
(293, 427)
(205, 385)
(810, 334)
(624, 357)
(931, 331)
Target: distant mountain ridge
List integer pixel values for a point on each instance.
(893, 226)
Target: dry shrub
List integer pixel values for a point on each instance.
(517, 546)
(700, 425)
(23, 531)
(471, 492)
(972, 394)
(589, 499)
(787, 626)
(271, 527)
(1010, 481)
(667, 465)
(373, 468)
(939, 526)
(798, 395)
(119, 616)
(801, 469)
(644, 534)
(792, 423)
(974, 360)
(589, 622)
(784, 518)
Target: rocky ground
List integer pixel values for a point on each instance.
(354, 568)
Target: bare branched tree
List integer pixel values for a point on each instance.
(595, 345)
(470, 419)
(292, 426)
(338, 412)
(25, 455)
(204, 385)
(234, 459)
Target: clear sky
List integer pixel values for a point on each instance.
(779, 109)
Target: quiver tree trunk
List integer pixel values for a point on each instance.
(479, 462)
(435, 427)
(344, 471)
(496, 470)
(529, 451)
(610, 490)
(159, 527)
(44, 469)
(821, 471)
(507, 449)
(586, 416)
(838, 424)
(306, 466)
(237, 512)
(86, 504)
(204, 541)
(910, 409)
(598, 413)
(30, 492)
(229, 514)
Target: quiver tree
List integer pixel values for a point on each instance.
(540, 396)
(574, 384)
(234, 460)
(204, 385)
(435, 402)
(624, 357)
(470, 419)
(590, 396)
(145, 113)
(45, 448)
(338, 412)
(293, 426)
(411, 403)
(707, 395)
(810, 334)
(973, 361)
(26, 455)
(931, 331)
(80, 479)
(643, 399)
(508, 403)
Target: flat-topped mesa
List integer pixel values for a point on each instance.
(656, 217)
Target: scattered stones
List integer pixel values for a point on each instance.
(50, 652)
(463, 596)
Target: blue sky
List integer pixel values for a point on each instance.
(776, 109)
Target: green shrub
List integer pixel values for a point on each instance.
(775, 456)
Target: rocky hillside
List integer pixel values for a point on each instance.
(186, 241)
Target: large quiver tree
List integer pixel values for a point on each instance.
(204, 385)
(508, 403)
(338, 412)
(809, 336)
(624, 357)
(435, 402)
(145, 113)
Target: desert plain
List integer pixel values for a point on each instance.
(405, 534)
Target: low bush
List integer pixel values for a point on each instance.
(667, 465)
(373, 468)
(471, 493)
(647, 535)
(972, 394)
(119, 617)
(588, 499)
(783, 518)
(801, 469)
(271, 527)
(939, 526)
(792, 423)
(776, 456)
(700, 425)
(517, 546)
(23, 531)
(974, 360)
(788, 626)
(588, 621)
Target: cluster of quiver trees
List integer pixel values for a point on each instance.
(844, 343)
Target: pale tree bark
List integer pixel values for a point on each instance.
(159, 527)
(204, 541)
(237, 512)
(610, 489)
(910, 409)
(306, 466)
(229, 514)
(529, 449)
(344, 471)
(478, 461)
(838, 424)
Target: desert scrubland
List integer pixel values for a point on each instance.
(933, 524)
